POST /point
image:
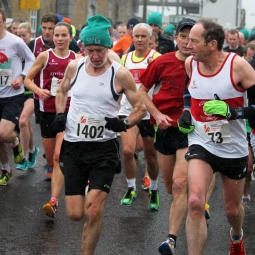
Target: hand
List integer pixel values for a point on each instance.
(17, 83)
(59, 123)
(115, 124)
(184, 122)
(220, 108)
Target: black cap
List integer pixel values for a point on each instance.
(183, 23)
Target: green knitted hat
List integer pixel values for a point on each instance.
(245, 32)
(155, 18)
(169, 29)
(96, 32)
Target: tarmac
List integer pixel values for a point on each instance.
(134, 230)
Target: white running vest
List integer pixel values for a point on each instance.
(223, 138)
(135, 68)
(92, 99)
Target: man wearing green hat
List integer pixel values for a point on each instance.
(90, 149)
(165, 44)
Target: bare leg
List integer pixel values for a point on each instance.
(210, 189)
(31, 138)
(128, 148)
(24, 125)
(57, 180)
(4, 153)
(247, 183)
(151, 158)
(49, 147)
(232, 197)
(94, 208)
(179, 191)
(199, 178)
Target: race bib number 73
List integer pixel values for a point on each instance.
(89, 126)
(215, 131)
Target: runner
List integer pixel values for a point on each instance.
(90, 148)
(217, 133)
(51, 65)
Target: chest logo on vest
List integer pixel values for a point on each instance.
(193, 85)
(52, 62)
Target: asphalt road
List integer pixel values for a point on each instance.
(126, 230)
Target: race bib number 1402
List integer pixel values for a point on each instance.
(89, 126)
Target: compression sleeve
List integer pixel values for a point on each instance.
(186, 94)
(249, 112)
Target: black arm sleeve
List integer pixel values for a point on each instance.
(249, 112)
(186, 94)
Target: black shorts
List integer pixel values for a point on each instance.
(233, 168)
(46, 119)
(37, 111)
(145, 128)
(94, 161)
(11, 108)
(28, 96)
(168, 141)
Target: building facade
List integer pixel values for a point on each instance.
(77, 10)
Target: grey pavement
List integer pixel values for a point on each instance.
(130, 230)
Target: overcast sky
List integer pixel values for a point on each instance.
(249, 6)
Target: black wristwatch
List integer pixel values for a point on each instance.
(126, 123)
(239, 113)
(23, 76)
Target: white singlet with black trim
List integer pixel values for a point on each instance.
(93, 99)
(223, 138)
(135, 68)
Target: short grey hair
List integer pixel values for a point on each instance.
(143, 25)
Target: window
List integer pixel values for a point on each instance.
(33, 21)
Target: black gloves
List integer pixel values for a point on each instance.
(115, 124)
(59, 123)
(184, 122)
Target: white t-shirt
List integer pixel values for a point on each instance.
(12, 51)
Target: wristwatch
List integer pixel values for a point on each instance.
(239, 113)
(23, 76)
(126, 123)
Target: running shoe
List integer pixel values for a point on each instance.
(253, 175)
(17, 153)
(32, 158)
(129, 197)
(167, 247)
(154, 200)
(146, 183)
(207, 211)
(50, 208)
(48, 174)
(237, 246)
(23, 165)
(5, 177)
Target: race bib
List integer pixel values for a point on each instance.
(5, 77)
(89, 126)
(55, 83)
(215, 131)
(5, 71)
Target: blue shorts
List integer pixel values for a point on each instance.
(168, 141)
